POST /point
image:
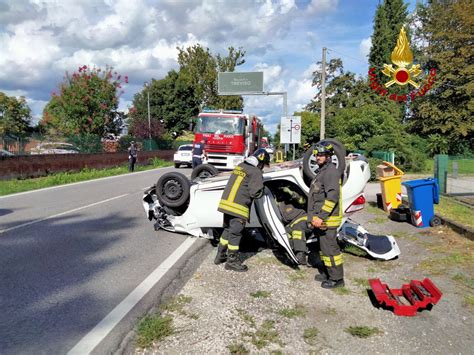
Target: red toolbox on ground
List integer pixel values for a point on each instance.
(406, 301)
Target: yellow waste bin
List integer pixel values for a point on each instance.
(390, 178)
(279, 156)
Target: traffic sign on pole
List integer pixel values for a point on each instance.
(290, 130)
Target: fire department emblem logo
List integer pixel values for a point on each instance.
(402, 57)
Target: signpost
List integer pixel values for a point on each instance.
(251, 83)
(290, 131)
(232, 83)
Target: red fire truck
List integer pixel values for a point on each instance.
(230, 136)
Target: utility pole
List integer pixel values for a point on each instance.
(323, 96)
(147, 87)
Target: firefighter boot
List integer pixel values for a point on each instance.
(234, 263)
(221, 256)
(332, 283)
(321, 276)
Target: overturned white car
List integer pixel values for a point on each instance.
(190, 207)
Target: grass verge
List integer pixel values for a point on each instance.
(265, 335)
(309, 335)
(297, 311)
(260, 294)
(237, 349)
(362, 331)
(450, 208)
(8, 187)
(154, 328)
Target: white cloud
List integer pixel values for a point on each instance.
(364, 47)
(321, 6)
(41, 39)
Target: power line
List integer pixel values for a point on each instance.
(346, 55)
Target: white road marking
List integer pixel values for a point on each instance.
(82, 182)
(105, 326)
(61, 214)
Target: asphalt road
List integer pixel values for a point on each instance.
(70, 255)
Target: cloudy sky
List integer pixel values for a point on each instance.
(41, 39)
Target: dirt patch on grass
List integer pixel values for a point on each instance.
(276, 309)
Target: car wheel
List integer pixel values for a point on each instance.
(176, 165)
(204, 171)
(310, 167)
(436, 221)
(172, 189)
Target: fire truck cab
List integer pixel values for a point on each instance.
(230, 136)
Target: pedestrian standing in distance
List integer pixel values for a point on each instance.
(198, 151)
(132, 156)
(245, 184)
(325, 216)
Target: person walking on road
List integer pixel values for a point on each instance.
(245, 184)
(132, 156)
(325, 216)
(198, 152)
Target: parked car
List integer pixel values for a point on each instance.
(5, 153)
(55, 148)
(190, 207)
(183, 156)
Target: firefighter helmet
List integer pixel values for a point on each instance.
(325, 148)
(262, 156)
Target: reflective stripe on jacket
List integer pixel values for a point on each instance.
(244, 185)
(325, 197)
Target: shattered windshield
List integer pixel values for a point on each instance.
(220, 125)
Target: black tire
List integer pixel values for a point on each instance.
(204, 171)
(172, 190)
(436, 221)
(176, 165)
(309, 160)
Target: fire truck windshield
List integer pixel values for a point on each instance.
(220, 125)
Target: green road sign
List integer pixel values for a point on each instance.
(230, 83)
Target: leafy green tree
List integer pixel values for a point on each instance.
(445, 114)
(389, 18)
(15, 115)
(200, 68)
(310, 129)
(172, 105)
(87, 103)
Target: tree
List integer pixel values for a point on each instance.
(172, 105)
(389, 18)
(86, 104)
(446, 113)
(310, 122)
(15, 115)
(199, 68)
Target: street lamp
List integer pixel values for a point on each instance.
(148, 105)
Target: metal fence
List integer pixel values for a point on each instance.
(456, 176)
(40, 144)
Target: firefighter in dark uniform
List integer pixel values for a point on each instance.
(197, 152)
(245, 184)
(293, 213)
(325, 216)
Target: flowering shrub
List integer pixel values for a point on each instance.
(86, 103)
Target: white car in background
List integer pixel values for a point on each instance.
(190, 207)
(183, 156)
(55, 148)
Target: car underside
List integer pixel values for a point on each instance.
(190, 206)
